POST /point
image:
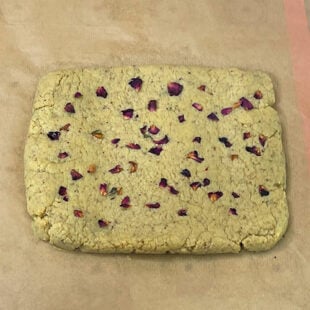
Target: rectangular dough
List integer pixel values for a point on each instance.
(156, 159)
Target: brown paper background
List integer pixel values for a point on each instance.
(40, 36)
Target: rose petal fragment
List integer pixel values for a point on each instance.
(246, 135)
(153, 130)
(133, 146)
(197, 139)
(153, 205)
(115, 140)
(164, 140)
(54, 135)
(246, 104)
(186, 173)
(254, 150)
(206, 182)
(75, 175)
(202, 87)
(174, 89)
(195, 185)
(103, 189)
(133, 166)
(97, 134)
(197, 106)
(102, 223)
(172, 190)
(62, 191)
(63, 155)
(136, 83)
(262, 140)
(235, 195)
(69, 108)
(65, 127)
(233, 211)
(116, 169)
(181, 118)
(156, 150)
(263, 191)
(213, 117)
(125, 202)
(152, 105)
(225, 141)
(182, 212)
(101, 92)
(78, 95)
(194, 155)
(163, 183)
(258, 95)
(128, 113)
(78, 213)
(65, 198)
(226, 111)
(143, 129)
(91, 168)
(213, 196)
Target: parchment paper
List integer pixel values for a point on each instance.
(39, 36)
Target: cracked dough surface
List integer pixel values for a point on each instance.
(209, 227)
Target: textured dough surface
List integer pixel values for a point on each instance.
(253, 221)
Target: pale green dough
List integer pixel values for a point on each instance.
(209, 227)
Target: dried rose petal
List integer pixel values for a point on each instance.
(133, 166)
(65, 198)
(75, 175)
(156, 150)
(153, 130)
(78, 213)
(172, 190)
(212, 116)
(65, 127)
(246, 135)
(194, 155)
(246, 104)
(233, 211)
(181, 118)
(258, 94)
(116, 169)
(78, 95)
(103, 189)
(115, 140)
(133, 146)
(164, 140)
(102, 223)
(119, 191)
(92, 168)
(202, 87)
(174, 89)
(143, 129)
(125, 202)
(69, 108)
(152, 105)
(234, 156)
(152, 205)
(182, 212)
(163, 183)
(226, 111)
(63, 155)
(215, 195)
(62, 191)
(235, 195)
(262, 140)
(197, 106)
(136, 83)
(128, 113)
(195, 185)
(186, 173)
(97, 134)
(206, 182)
(263, 191)
(225, 141)
(54, 135)
(101, 92)
(254, 150)
(197, 139)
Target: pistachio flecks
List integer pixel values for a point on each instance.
(153, 130)
(258, 95)
(163, 183)
(133, 146)
(197, 106)
(78, 213)
(116, 169)
(164, 140)
(97, 134)
(69, 108)
(226, 111)
(174, 89)
(186, 173)
(65, 127)
(263, 191)
(102, 223)
(115, 140)
(233, 211)
(195, 156)
(235, 195)
(92, 168)
(156, 150)
(63, 155)
(125, 202)
(78, 95)
(262, 139)
(62, 191)
(181, 118)
(152, 105)
(75, 175)
(206, 182)
(225, 141)
(246, 104)
(213, 117)
(195, 185)
(246, 135)
(234, 156)
(213, 196)
(103, 189)
(101, 92)
(182, 212)
(53, 135)
(254, 150)
(128, 113)
(153, 205)
(136, 83)
(172, 190)
(202, 87)
(133, 166)
(197, 139)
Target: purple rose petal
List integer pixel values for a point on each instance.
(152, 105)
(206, 182)
(101, 92)
(182, 212)
(164, 140)
(233, 211)
(181, 118)
(63, 155)
(54, 135)
(174, 89)
(246, 104)
(75, 175)
(212, 116)
(254, 150)
(163, 183)
(128, 113)
(156, 150)
(153, 130)
(226, 111)
(152, 205)
(197, 139)
(136, 83)
(235, 195)
(78, 95)
(186, 173)
(225, 141)
(197, 106)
